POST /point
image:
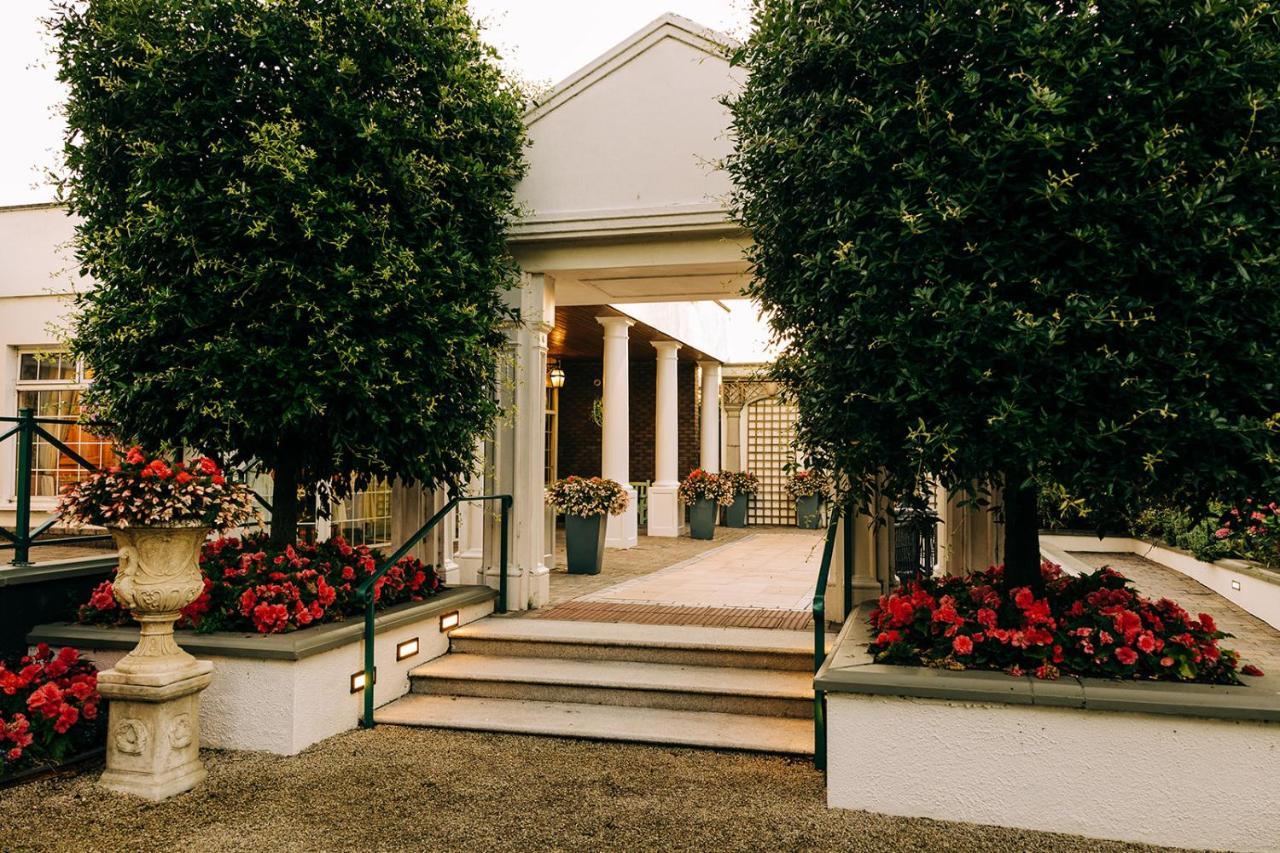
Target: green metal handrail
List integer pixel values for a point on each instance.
(820, 622)
(366, 589)
(22, 538)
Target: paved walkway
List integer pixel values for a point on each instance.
(1257, 642)
(760, 578)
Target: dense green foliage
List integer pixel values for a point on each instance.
(294, 212)
(1019, 242)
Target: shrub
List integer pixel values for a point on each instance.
(742, 482)
(1251, 531)
(587, 496)
(250, 585)
(1089, 625)
(142, 491)
(48, 708)
(703, 485)
(807, 484)
(1179, 529)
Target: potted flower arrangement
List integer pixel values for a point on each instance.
(744, 485)
(704, 493)
(808, 489)
(585, 501)
(159, 515)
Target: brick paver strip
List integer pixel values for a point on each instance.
(651, 614)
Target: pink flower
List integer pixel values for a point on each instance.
(1126, 655)
(962, 645)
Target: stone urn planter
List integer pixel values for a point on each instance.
(584, 543)
(735, 514)
(809, 512)
(702, 518)
(153, 732)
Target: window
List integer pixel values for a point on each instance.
(50, 383)
(364, 518)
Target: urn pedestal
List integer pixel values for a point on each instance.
(153, 730)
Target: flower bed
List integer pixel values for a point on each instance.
(248, 586)
(48, 709)
(1087, 625)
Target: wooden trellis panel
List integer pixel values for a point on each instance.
(770, 430)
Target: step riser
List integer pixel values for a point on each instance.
(741, 659)
(672, 700)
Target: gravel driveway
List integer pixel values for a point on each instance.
(418, 789)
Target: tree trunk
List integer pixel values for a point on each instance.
(284, 500)
(1021, 534)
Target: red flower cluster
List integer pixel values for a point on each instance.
(1089, 625)
(48, 707)
(153, 492)
(1252, 531)
(248, 586)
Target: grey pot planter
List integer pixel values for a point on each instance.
(809, 512)
(702, 519)
(584, 543)
(735, 515)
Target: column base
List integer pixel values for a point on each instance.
(666, 514)
(623, 530)
(153, 731)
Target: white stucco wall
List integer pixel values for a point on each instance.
(1155, 779)
(285, 706)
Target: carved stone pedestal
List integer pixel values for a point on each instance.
(153, 736)
(153, 732)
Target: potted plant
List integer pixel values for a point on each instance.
(704, 493)
(585, 501)
(807, 489)
(744, 485)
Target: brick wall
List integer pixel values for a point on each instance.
(580, 436)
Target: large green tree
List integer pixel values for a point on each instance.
(1009, 243)
(294, 213)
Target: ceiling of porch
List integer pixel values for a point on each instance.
(578, 335)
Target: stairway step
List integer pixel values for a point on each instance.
(603, 722)
(751, 648)
(729, 690)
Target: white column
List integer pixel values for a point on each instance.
(710, 437)
(665, 516)
(519, 451)
(615, 462)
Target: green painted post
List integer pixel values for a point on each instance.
(22, 520)
(502, 554)
(367, 720)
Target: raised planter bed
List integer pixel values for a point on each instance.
(46, 592)
(1247, 585)
(1186, 765)
(283, 692)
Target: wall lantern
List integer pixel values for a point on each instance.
(407, 649)
(557, 376)
(449, 621)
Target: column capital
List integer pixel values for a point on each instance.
(615, 325)
(666, 348)
(709, 362)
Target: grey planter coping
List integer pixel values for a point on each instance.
(295, 645)
(57, 569)
(849, 668)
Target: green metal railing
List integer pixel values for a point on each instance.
(366, 589)
(22, 538)
(820, 623)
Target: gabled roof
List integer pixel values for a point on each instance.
(709, 41)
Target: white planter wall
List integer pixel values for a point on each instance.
(1155, 779)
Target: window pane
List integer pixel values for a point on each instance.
(365, 516)
(28, 367)
(52, 470)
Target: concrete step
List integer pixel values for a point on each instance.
(730, 690)
(746, 648)
(603, 722)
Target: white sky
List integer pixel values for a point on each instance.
(541, 40)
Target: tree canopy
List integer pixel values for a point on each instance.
(294, 212)
(1013, 243)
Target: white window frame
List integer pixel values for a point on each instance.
(12, 386)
